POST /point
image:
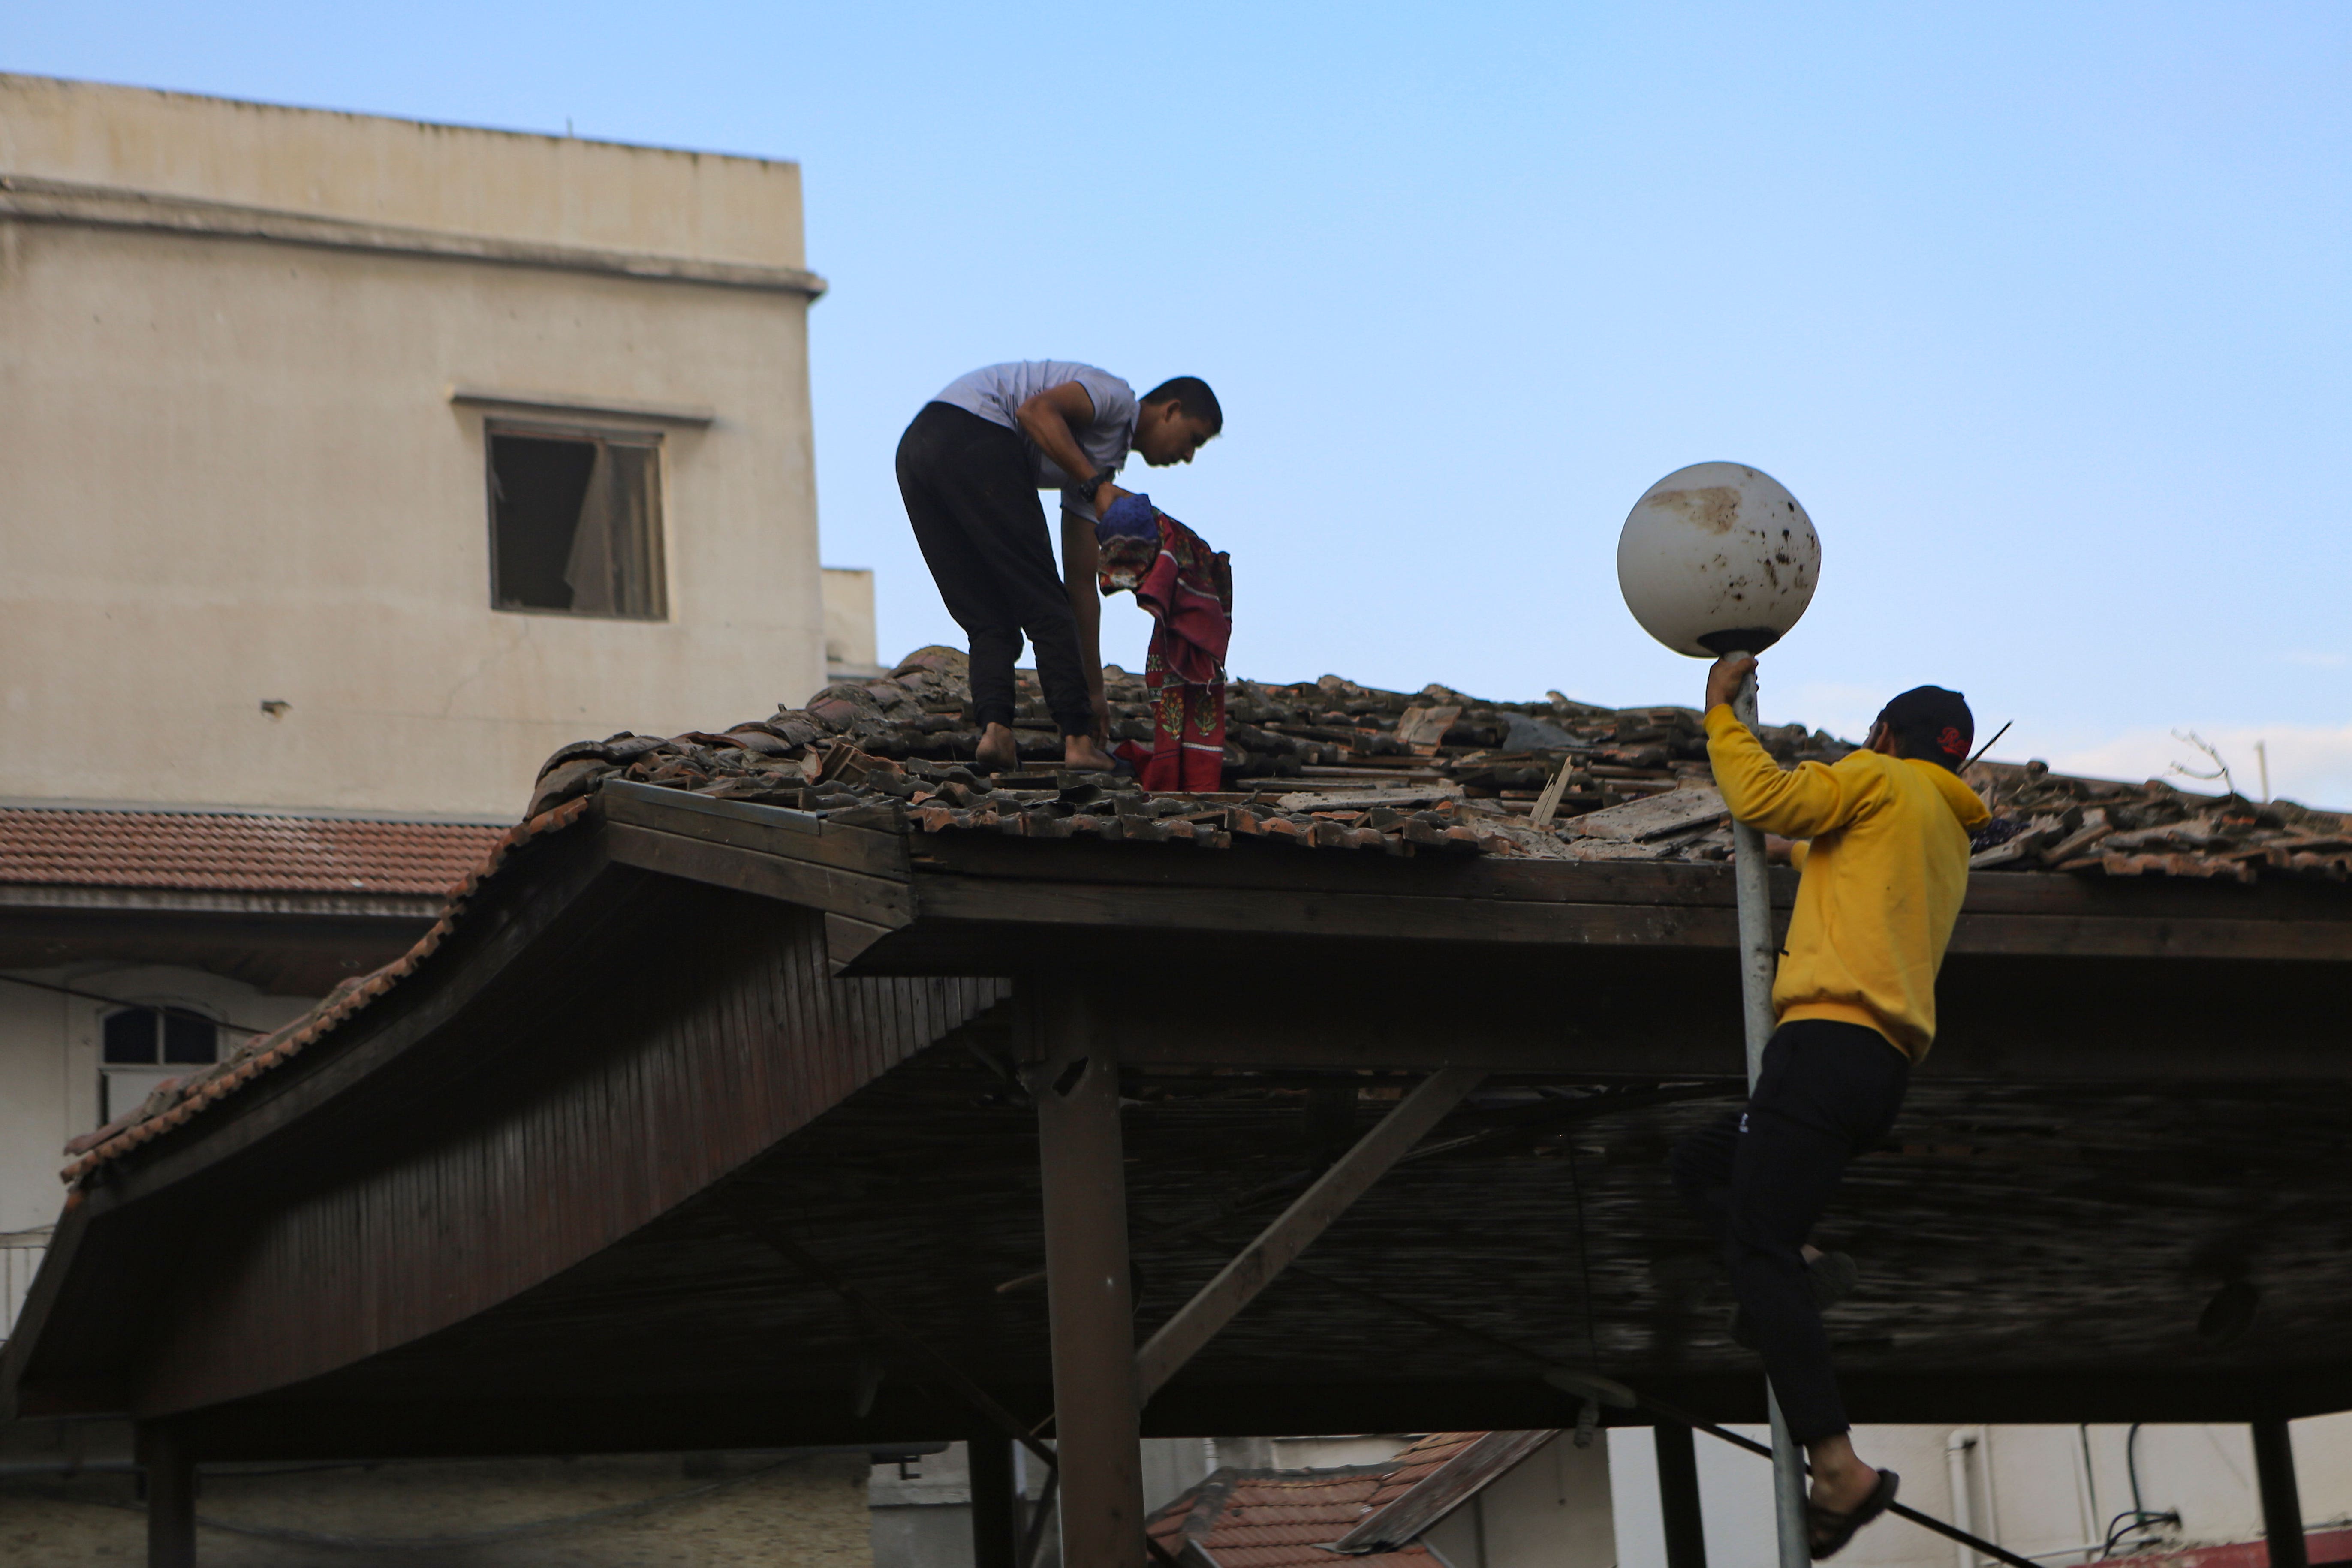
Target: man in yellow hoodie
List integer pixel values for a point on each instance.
(1884, 842)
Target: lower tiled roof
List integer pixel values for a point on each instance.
(1289, 1519)
(176, 1100)
(235, 851)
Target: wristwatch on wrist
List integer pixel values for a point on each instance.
(1101, 477)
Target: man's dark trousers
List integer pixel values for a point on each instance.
(1761, 1177)
(972, 497)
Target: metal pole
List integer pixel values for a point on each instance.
(171, 1497)
(1678, 1504)
(1096, 1414)
(995, 1529)
(1759, 955)
(2281, 1501)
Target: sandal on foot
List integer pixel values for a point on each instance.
(1827, 1532)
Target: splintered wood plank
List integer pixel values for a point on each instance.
(1365, 800)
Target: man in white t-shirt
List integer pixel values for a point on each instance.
(969, 468)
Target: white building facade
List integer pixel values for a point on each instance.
(355, 462)
(354, 465)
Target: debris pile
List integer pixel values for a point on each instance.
(2046, 821)
(1331, 763)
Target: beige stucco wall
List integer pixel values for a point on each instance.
(849, 635)
(234, 473)
(373, 169)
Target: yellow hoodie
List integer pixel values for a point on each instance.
(1883, 876)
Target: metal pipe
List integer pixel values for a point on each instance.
(171, 1496)
(2282, 1501)
(1678, 1499)
(1956, 1468)
(1758, 956)
(995, 1527)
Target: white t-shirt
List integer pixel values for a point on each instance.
(997, 391)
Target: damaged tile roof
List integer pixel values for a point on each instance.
(1301, 1518)
(1327, 765)
(1338, 766)
(234, 851)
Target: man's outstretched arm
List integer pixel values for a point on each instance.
(1811, 800)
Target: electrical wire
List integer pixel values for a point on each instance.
(118, 1001)
(2138, 1516)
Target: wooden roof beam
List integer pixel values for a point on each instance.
(1255, 1266)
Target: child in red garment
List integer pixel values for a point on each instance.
(1188, 589)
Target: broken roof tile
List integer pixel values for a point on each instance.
(1330, 764)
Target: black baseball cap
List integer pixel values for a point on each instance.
(1931, 725)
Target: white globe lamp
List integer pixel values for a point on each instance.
(1718, 558)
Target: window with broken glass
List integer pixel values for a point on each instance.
(575, 522)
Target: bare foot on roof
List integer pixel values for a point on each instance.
(1081, 752)
(998, 752)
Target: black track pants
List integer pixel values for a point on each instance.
(1761, 1177)
(971, 496)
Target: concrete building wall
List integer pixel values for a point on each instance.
(849, 633)
(370, 168)
(1551, 1510)
(236, 475)
(2028, 1488)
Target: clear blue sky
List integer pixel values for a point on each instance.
(2042, 310)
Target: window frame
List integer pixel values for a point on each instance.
(637, 437)
(144, 1076)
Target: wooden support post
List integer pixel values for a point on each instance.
(1097, 1415)
(1678, 1503)
(1255, 1266)
(171, 1497)
(2282, 1499)
(995, 1525)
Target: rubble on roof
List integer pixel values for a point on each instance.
(1328, 763)
(2046, 821)
(1333, 765)
(1323, 765)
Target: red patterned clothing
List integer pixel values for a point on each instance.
(1188, 588)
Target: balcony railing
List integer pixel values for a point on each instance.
(20, 1259)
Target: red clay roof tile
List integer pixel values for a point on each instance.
(1288, 1519)
(235, 852)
